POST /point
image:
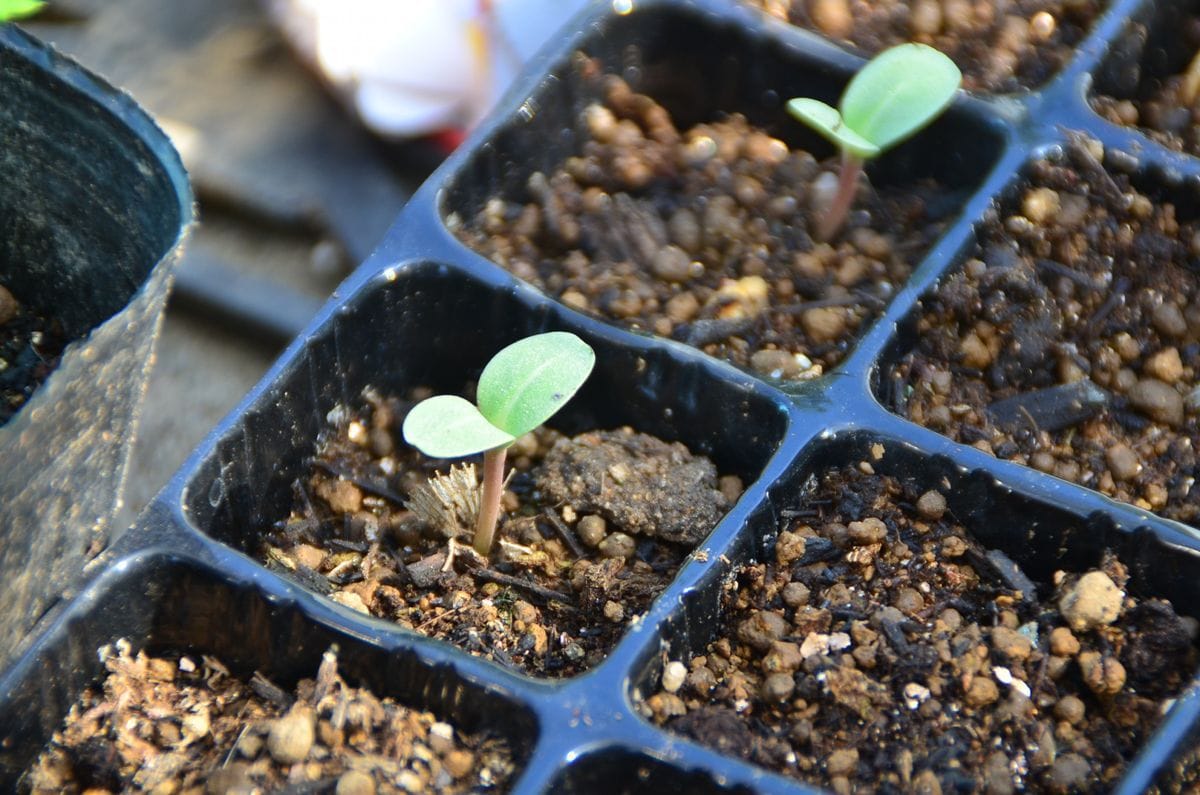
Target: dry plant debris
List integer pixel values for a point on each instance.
(182, 724)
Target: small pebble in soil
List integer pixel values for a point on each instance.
(906, 670)
(1093, 601)
(355, 782)
(931, 505)
(592, 530)
(155, 726)
(292, 735)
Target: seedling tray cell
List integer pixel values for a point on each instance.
(160, 602)
(431, 325)
(425, 310)
(755, 76)
(1035, 539)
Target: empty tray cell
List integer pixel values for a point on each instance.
(168, 677)
(1150, 78)
(666, 189)
(1000, 46)
(1068, 339)
(318, 483)
(907, 625)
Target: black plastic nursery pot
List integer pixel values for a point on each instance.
(95, 204)
(1007, 542)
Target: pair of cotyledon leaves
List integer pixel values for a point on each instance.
(900, 91)
(520, 388)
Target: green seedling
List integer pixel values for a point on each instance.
(895, 95)
(17, 9)
(520, 388)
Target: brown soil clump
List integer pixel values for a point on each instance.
(31, 346)
(178, 724)
(1070, 341)
(1001, 47)
(704, 236)
(597, 526)
(879, 649)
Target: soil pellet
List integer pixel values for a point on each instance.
(673, 676)
(833, 17)
(1093, 601)
(1157, 400)
(1122, 462)
(355, 782)
(777, 687)
(291, 736)
(931, 505)
(592, 530)
(618, 545)
(775, 363)
(1166, 365)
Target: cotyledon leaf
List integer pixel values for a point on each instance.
(828, 122)
(527, 382)
(447, 426)
(16, 9)
(900, 91)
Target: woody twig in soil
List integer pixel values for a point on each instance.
(533, 589)
(370, 487)
(565, 533)
(708, 330)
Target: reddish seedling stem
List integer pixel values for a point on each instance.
(835, 216)
(489, 504)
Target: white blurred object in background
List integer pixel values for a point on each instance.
(415, 67)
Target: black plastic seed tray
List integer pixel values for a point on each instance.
(94, 206)
(424, 310)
